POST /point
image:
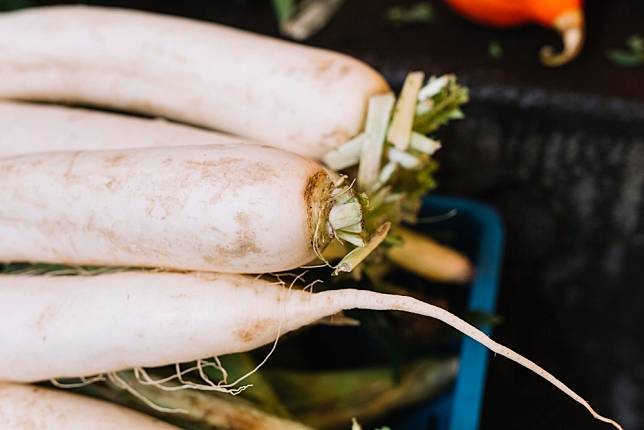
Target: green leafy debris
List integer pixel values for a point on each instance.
(495, 50)
(635, 43)
(419, 13)
(283, 9)
(632, 56)
(300, 20)
(326, 399)
(440, 107)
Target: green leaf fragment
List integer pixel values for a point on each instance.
(283, 9)
(447, 97)
(632, 57)
(415, 14)
(626, 58)
(635, 43)
(456, 114)
(495, 50)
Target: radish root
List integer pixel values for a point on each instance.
(363, 299)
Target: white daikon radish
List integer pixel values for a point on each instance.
(226, 208)
(70, 326)
(29, 128)
(305, 99)
(24, 407)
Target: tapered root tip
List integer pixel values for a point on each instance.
(604, 419)
(570, 26)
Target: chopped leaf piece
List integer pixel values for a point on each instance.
(378, 115)
(495, 50)
(446, 101)
(403, 119)
(283, 9)
(345, 155)
(424, 144)
(403, 158)
(357, 256)
(635, 43)
(414, 14)
(633, 57)
(309, 18)
(433, 87)
(424, 106)
(387, 171)
(626, 58)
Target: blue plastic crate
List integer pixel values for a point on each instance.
(477, 230)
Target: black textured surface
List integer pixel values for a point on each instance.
(560, 152)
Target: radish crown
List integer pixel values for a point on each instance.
(394, 153)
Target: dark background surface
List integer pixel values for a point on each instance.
(560, 153)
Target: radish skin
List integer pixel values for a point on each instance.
(304, 99)
(24, 407)
(32, 128)
(67, 325)
(226, 208)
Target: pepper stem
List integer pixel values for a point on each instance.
(570, 26)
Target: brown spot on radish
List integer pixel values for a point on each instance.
(256, 328)
(344, 70)
(116, 159)
(45, 316)
(243, 245)
(322, 67)
(69, 175)
(233, 171)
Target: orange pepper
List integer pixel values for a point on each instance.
(564, 16)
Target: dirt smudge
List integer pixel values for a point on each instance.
(116, 159)
(253, 330)
(243, 245)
